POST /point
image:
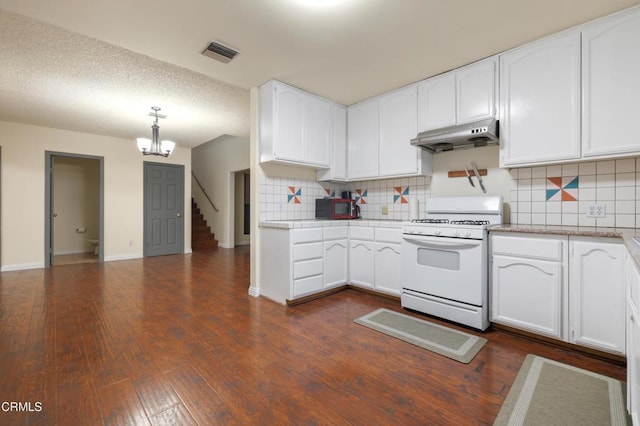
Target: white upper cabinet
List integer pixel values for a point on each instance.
(540, 102)
(456, 97)
(362, 136)
(318, 130)
(338, 148)
(611, 86)
(295, 127)
(379, 137)
(398, 125)
(437, 102)
(476, 91)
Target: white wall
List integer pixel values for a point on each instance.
(213, 163)
(76, 202)
(23, 190)
(497, 181)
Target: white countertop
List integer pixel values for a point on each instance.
(320, 223)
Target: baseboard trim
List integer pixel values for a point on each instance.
(373, 292)
(21, 267)
(223, 245)
(618, 359)
(123, 257)
(305, 299)
(254, 291)
(63, 253)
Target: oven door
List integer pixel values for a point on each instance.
(451, 268)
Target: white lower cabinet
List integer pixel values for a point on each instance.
(597, 296)
(291, 262)
(529, 283)
(568, 288)
(361, 256)
(633, 363)
(386, 277)
(336, 249)
(298, 262)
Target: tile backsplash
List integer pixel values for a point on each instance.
(294, 199)
(562, 194)
(545, 195)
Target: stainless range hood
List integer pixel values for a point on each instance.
(470, 135)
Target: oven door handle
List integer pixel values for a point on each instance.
(465, 244)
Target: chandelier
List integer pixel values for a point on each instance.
(154, 146)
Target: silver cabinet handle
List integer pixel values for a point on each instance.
(179, 214)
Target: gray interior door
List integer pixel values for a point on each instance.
(163, 209)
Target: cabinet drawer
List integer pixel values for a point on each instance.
(307, 251)
(307, 268)
(361, 233)
(533, 247)
(307, 285)
(389, 235)
(336, 233)
(306, 235)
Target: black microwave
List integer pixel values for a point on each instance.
(336, 208)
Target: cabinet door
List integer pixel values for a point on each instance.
(289, 124)
(475, 92)
(318, 130)
(387, 268)
(437, 102)
(611, 85)
(362, 125)
(596, 295)
(398, 125)
(540, 102)
(338, 147)
(527, 294)
(633, 364)
(335, 263)
(361, 263)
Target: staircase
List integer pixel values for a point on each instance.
(201, 236)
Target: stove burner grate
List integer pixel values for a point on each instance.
(470, 222)
(430, 220)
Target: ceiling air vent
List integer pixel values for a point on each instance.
(219, 52)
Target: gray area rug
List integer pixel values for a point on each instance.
(445, 341)
(548, 392)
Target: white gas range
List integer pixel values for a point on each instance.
(444, 259)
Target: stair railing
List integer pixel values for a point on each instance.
(203, 191)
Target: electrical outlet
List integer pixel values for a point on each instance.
(596, 210)
(385, 209)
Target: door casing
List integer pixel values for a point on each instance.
(48, 203)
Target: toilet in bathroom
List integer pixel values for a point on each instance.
(96, 245)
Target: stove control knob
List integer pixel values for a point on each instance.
(467, 234)
(437, 232)
(420, 231)
(456, 233)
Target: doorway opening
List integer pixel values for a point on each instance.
(74, 204)
(239, 223)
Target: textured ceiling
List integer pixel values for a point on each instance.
(104, 64)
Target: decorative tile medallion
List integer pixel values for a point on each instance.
(361, 196)
(294, 195)
(331, 193)
(562, 188)
(400, 194)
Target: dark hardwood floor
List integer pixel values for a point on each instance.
(177, 340)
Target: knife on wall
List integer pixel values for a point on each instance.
(475, 170)
(469, 176)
